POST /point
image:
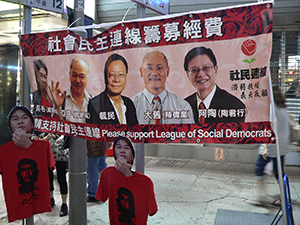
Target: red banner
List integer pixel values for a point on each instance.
(230, 133)
(147, 79)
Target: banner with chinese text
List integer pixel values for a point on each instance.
(148, 78)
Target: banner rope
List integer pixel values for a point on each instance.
(79, 18)
(125, 15)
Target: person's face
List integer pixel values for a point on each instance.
(154, 72)
(125, 200)
(204, 79)
(122, 149)
(26, 172)
(79, 77)
(116, 77)
(42, 78)
(20, 120)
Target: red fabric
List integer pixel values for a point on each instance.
(46, 102)
(202, 119)
(22, 204)
(141, 187)
(109, 152)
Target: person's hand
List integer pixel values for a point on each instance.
(59, 140)
(265, 156)
(57, 95)
(21, 138)
(123, 167)
(109, 145)
(265, 152)
(48, 137)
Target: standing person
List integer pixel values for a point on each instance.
(201, 68)
(61, 171)
(156, 105)
(110, 107)
(24, 164)
(268, 152)
(42, 107)
(130, 194)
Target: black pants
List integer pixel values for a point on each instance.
(61, 169)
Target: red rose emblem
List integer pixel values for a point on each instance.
(249, 47)
(40, 46)
(253, 24)
(232, 29)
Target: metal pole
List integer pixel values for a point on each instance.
(29, 221)
(140, 11)
(298, 53)
(25, 95)
(140, 147)
(279, 169)
(79, 12)
(77, 160)
(77, 182)
(283, 47)
(140, 157)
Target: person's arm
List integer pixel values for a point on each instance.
(49, 136)
(265, 151)
(60, 139)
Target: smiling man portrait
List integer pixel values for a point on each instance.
(156, 105)
(201, 68)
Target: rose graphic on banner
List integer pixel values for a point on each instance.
(249, 48)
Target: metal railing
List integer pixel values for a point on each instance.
(293, 108)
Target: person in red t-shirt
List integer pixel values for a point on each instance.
(24, 165)
(131, 194)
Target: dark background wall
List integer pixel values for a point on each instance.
(8, 87)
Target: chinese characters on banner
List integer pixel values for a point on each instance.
(145, 79)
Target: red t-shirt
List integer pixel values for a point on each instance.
(25, 178)
(131, 199)
(46, 102)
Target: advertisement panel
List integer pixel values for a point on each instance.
(198, 77)
(160, 6)
(48, 5)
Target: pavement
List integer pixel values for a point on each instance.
(190, 192)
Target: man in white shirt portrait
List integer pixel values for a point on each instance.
(156, 105)
(72, 104)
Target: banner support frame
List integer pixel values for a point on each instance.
(140, 147)
(279, 169)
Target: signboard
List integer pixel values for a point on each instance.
(48, 5)
(159, 6)
(89, 7)
(147, 79)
